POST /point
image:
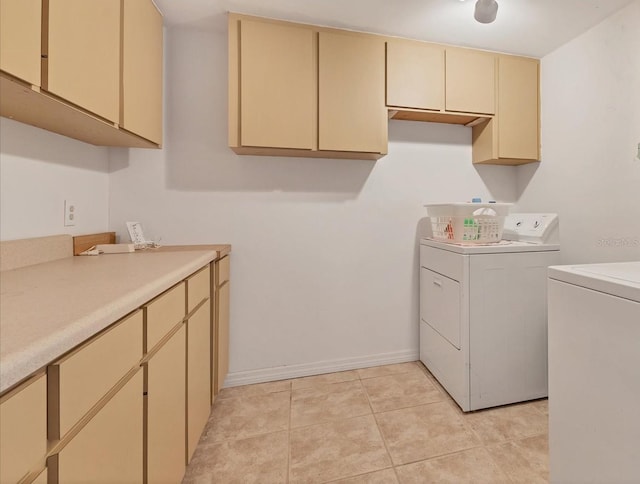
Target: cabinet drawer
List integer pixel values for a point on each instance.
(222, 271)
(80, 379)
(443, 262)
(440, 304)
(23, 429)
(198, 288)
(163, 313)
(109, 448)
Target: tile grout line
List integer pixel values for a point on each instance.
(384, 441)
(445, 398)
(356, 475)
(485, 446)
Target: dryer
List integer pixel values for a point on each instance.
(483, 313)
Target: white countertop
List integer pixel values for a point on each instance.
(620, 279)
(48, 309)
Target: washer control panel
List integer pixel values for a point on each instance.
(538, 228)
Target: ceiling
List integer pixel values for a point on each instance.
(526, 27)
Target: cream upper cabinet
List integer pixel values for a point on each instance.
(277, 86)
(470, 81)
(415, 75)
(518, 108)
(358, 81)
(23, 429)
(142, 70)
(301, 90)
(96, 65)
(351, 92)
(20, 39)
(83, 63)
(512, 137)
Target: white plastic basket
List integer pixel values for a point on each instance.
(468, 223)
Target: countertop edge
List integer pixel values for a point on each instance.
(20, 365)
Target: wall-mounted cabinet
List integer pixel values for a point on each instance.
(431, 82)
(415, 75)
(20, 39)
(82, 51)
(304, 90)
(277, 85)
(141, 97)
(351, 113)
(512, 137)
(470, 85)
(287, 96)
(88, 70)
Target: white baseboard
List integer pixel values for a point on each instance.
(295, 371)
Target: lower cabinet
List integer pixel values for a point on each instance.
(42, 478)
(198, 375)
(109, 448)
(166, 390)
(223, 335)
(222, 270)
(109, 412)
(23, 429)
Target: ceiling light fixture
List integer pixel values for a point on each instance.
(486, 11)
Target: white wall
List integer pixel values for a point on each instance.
(590, 90)
(324, 263)
(38, 171)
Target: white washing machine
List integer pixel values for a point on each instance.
(594, 373)
(483, 313)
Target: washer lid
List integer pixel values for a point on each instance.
(504, 246)
(620, 279)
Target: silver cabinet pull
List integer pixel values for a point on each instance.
(437, 282)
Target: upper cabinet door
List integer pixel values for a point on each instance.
(415, 75)
(470, 81)
(518, 129)
(351, 113)
(20, 39)
(277, 86)
(142, 70)
(84, 54)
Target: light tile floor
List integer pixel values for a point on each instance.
(388, 424)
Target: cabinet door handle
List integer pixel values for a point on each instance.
(437, 282)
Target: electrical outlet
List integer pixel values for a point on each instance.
(70, 215)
